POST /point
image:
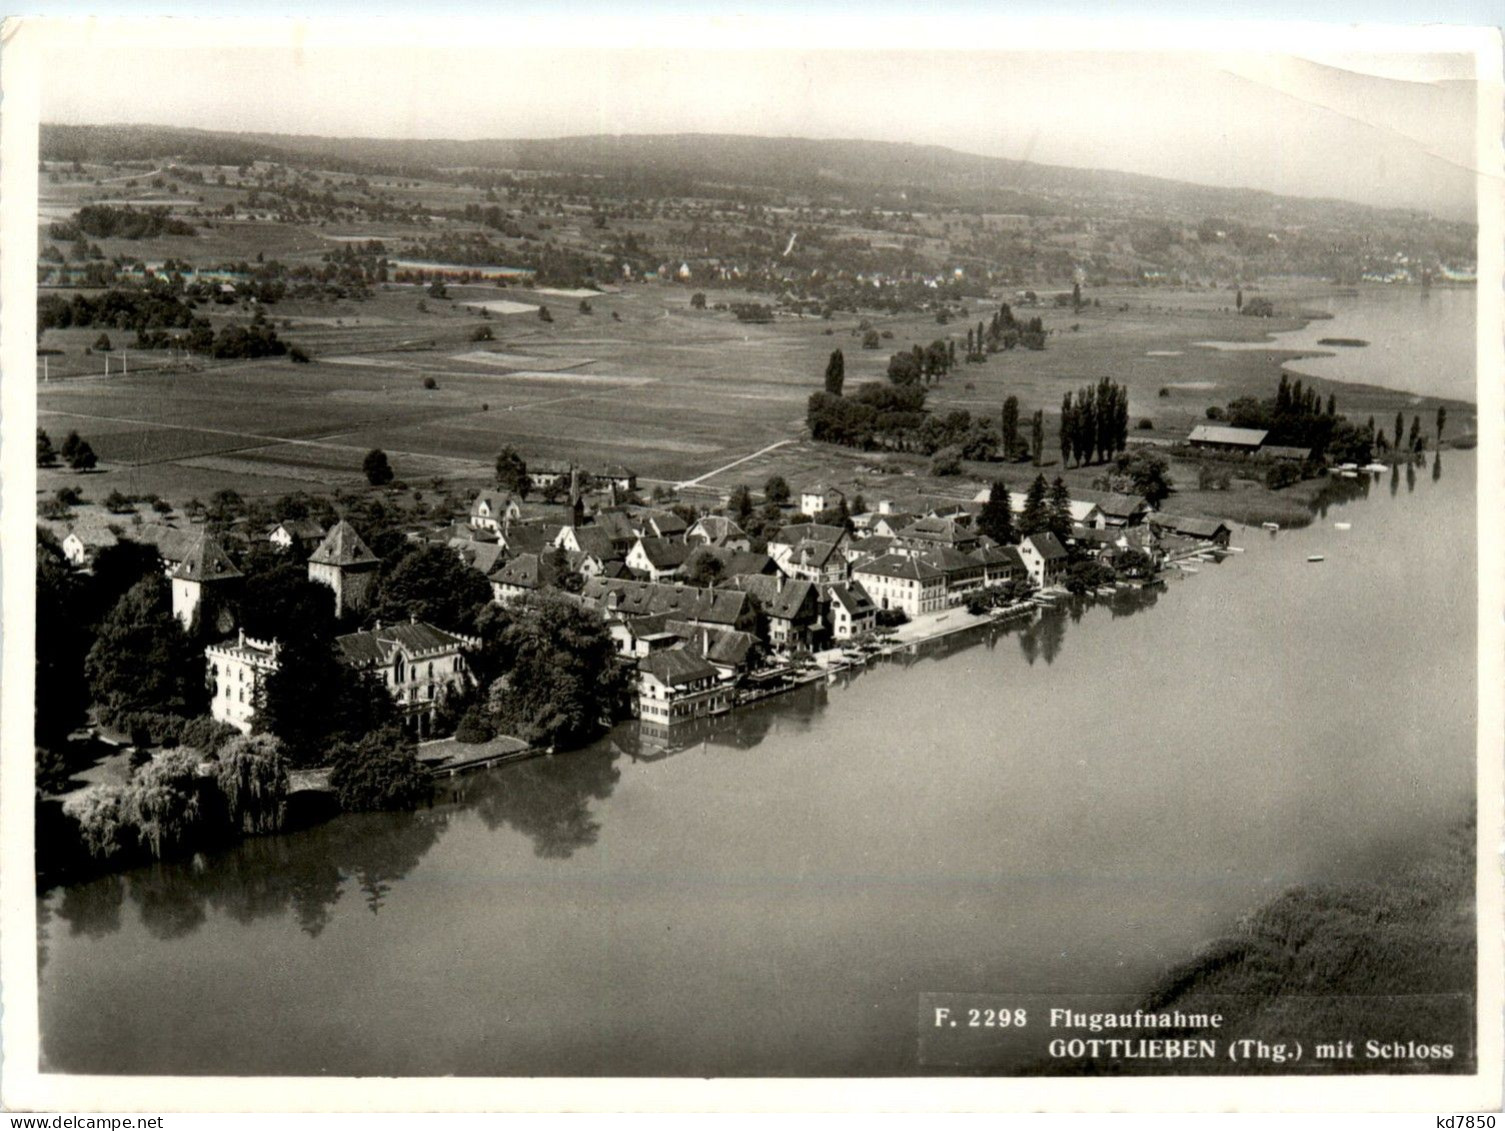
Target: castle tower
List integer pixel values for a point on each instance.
(345, 564)
(202, 581)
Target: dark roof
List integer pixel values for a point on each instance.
(526, 538)
(1048, 545)
(377, 646)
(664, 554)
(900, 566)
(1122, 506)
(949, 560)
(663, 524)
(497, 501)
(304, 528)
(483, 556)
(718, 645)
(173, 545)
(797, 532)
(814, 553)
(794, 600)
(688, 602)
(853, 598)
(206, 561)
(1198, 527)
(998, 555)
(529, 571)
(596, 540)
(674, 666)
(943, 531)
(342, 546)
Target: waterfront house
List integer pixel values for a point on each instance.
(851, 612)
(658, 558)
(1045, 559)
(814, 500)
(717, 531)
(346, 565)
(1223, 438)
(675, 684)
(731, 652)
(238, 670)
(1202, 529)
(1000, 564)
(494, 510)
(898, 581)
(791, 613)
(964, 573)
(418, 665)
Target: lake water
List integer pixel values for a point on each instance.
(1072, 805)
(1419, 341)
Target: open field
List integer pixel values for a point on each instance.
(672, 392)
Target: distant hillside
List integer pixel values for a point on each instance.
(857, 172)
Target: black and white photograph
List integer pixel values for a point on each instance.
(956, 561)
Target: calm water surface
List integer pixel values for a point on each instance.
(1419, 341)
(1075, 804)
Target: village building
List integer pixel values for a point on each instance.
(898, 581)
(618, 478)
(1285, 452)
(82, 543)
(419, 665)
(732, 653)
(658, 558)
(674, 685)
(964, 574)
(346, 564)
(1000, 564)
(623, 597)
(659, 524)
(851, 612)
(1083, 512)
(892, 524)
(873, 546)
(1122, 510)
(1223, 438)
(547, 472)
(819, 498)
(173, 545)
(527, 574)
(530, 537)
(238, 671)
(791, 608)
(1045, 559)
(594, 540)
(821, 562)
(204, 583)
(939, 532)
(480, 556)
(494, 510)
(296, 533)
(1202, 529)
(719, 531)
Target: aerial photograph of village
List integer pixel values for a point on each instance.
(758, 600)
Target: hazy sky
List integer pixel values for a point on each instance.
(1385, 129)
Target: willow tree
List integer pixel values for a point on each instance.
(253, 779)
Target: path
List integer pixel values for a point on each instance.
(736, 462)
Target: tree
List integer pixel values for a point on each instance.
(482, 334)
(378, 471)
(740, 504)
(1144, 473)
(776, 490)
(283, 602)
(1086, 576)
(871, 340)
(1010, 428)
(512, 472)
(697, 300)
(1238, 300)
(62, 641)
(46, 457)
(1442, 419)
(102, 344)
(1035, 517)
(380, 770)
(1058, 510)
(313, 699)
(1037, 436)
(1416, 441)
(997, 517)
(77, 453)
(142, 659)
(703, 567)
(252, 779)
(104, 820)
(435, 586)
(905, 368)
(1400, 429)
(835, 373)
(162, 801)
(563, 680)
(1068, 423)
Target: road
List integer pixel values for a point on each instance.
(735, 463)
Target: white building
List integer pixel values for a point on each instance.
(815, 499)
(238, 670)
(895, 581)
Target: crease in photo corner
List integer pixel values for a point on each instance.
(1071, 1094)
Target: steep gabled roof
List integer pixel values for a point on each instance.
(853, 598)
(342, 546)
(364, 649)
(1047, 545)
(664, 554)
(797, 532)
